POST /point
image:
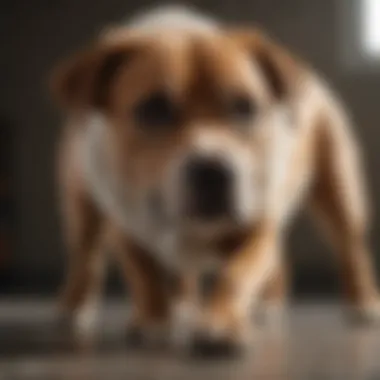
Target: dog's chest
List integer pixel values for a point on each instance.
(207, 255)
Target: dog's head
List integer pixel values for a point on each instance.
(189, 114)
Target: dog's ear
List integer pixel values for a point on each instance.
(82, 81)
(280, 69)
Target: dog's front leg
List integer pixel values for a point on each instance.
(225, 321)
(147, 283)
(275, 295)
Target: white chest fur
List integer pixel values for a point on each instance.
(111, 196)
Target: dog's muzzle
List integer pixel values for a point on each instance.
(208, 184)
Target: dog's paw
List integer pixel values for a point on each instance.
(154, 334)
(80, 323)
(134, 336)
(184, 319)
(220, 336)
(209, 346)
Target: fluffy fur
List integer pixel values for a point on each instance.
(297, 151)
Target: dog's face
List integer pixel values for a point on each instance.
(189, 120)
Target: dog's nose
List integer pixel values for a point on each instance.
(208, 182)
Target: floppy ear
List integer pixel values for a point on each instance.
(280, 69)
(82, 81)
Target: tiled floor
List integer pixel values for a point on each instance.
(313, 344)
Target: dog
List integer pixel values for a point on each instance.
(188, 144)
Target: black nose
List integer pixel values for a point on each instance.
(208, 183)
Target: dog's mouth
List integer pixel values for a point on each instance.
(202, 198)
(213, 223)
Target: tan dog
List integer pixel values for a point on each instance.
(188, 141)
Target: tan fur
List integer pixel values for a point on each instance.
(323, 169)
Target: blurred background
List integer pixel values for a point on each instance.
(340, 38)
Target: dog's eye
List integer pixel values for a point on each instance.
(241, 108)
(157, 111)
